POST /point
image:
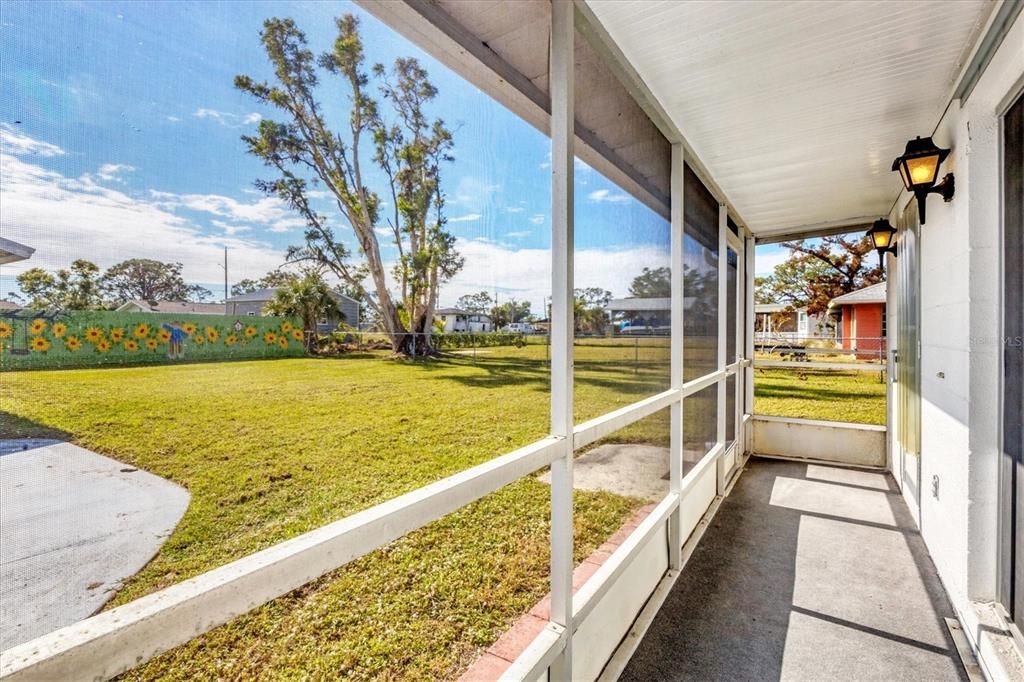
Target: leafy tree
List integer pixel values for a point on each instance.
(74, 288)
(817, 271)
(409, 150)
(145, 279)
(590, 309)
(307, 297)
(652, 283)
(476, 303)
(510, 311)
(271, 280)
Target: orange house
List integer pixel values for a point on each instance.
(861, 325)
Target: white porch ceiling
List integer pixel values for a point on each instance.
(797, 109)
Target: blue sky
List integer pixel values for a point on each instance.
(121, 138)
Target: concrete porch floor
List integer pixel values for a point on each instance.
(807, 572)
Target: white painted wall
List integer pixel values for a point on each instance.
(960, 271)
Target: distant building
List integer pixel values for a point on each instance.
(8, 306)
(861, 326)
(781, 321)
(457, 320)
(11, 251)
(183, 307)
(253, 303)
(641, 315)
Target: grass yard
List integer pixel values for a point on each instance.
(833, 395)
(271, 449)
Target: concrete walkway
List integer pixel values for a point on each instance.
(73, 525)
(807, 572)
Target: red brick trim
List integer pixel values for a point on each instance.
(497, 659)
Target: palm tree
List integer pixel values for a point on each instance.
(308, 298)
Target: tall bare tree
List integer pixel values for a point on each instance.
(409, 149)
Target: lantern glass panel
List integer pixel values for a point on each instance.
(881, 238)
(922, 170)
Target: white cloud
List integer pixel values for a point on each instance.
(473, 194)
(514, 209)
(537, 218)
(765, 260)
(173, 119)
(66, 218)
(113, 171)
(230, 229)
(14, 142)
(226, 118)
(267, 210)
(518, 235)
(599, 195)
(287, 225)
(525, 274)
(468, 218)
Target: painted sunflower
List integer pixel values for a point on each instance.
(297, 334)
(141, 330)
(72, 343)
(212, 334)
(39, 345)
(283, 342)
(198, 339)
(93, 334)
(102, 346)
(131, 345)
(163, 336)
(152, 344)
(189, 328)
(37, 327)
(230, 340)
(59, 329)
(270, 338)
(250, 331)
(5, 330)
(286, 326)
(117, 334)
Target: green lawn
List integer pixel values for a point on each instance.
(832, 395)
(270, 449)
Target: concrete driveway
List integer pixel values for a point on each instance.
(73, 526)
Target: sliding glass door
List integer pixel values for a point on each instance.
(1012, 498)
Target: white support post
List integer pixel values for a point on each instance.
(675, 530)
(748, 342)
(741, 346)
(723, 259)
(562, 153)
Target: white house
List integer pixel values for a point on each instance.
(458, 320)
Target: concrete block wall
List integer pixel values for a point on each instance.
(960, 352)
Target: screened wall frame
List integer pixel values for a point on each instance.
(117, 640)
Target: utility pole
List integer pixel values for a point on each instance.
(225, 277)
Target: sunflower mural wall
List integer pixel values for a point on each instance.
(36, 340)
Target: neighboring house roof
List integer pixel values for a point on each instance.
(173, 307)
(13, 251)
(264, 295)
(459, 311)
(7, 305)
(872, 294)
(638, 304)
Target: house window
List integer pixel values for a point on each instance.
(251, 314)
(885, 325)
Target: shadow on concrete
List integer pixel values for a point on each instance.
(807, 572)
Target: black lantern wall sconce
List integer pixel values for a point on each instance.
(883, 238)
(919, 168)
